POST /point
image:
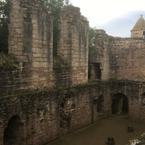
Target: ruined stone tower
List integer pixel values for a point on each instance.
(99, 57)
(138, 30)
(73, 44)
(30, 40)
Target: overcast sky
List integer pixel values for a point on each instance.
(101, 13)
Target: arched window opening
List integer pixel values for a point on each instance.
(143, 99)
(13, 133)
(119, 104)
(99, 104)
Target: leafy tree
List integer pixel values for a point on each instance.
(92, 36)
(4, 26)
(54, 5)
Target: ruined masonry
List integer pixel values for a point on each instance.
(119, 58)
(36, 112)
(31, 39)
(73, 44)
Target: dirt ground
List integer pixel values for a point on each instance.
(98, 133)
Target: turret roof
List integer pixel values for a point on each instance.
(140, 24)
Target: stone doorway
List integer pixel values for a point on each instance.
(96, 71)
(100, 104)
(143, 99)
(13, 133)
(119, 104)
(143, 34)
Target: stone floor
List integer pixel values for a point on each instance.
(97, 134)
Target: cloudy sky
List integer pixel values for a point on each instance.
(117, 17)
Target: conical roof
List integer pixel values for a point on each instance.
(140, 24)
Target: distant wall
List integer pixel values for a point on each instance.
(127, 59)
(120, 58)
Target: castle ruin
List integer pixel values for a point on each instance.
(36, 112)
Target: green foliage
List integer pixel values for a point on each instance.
(55, 7)
(8, 62)
(4, 8)
(92, 35)
(92, 41)
(4, 26)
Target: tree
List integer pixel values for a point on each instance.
(67, 2)
(54, 6)
(4, 26)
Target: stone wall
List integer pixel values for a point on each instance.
(119, 58)
(30, 40)
(43, 117)
(37, 117)
(73, 44)
(137, 34)
(99, 56)
(127, 59)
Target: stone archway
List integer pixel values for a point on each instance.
(13, 133)
(96, 72)
(119, 104)
(143, 99)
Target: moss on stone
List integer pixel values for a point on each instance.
(8, 62)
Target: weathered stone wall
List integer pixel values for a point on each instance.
(127, 59)
(30, 40)
(35, 118)
(99, 54)
(119, 58)
(137, 34)
(43, 117)
(73, 44)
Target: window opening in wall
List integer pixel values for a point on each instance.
(119, 104)
(100, 102)
(143, 99)
(143, 34)
(13, 134)
(97, 71)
